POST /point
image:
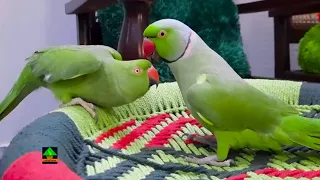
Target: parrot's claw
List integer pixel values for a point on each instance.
(208, 140)
(211, 160)
(89, 107)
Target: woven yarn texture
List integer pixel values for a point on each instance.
(145, 140)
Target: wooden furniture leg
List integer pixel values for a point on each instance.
(281, 46)
(89, 32)
(136, 13)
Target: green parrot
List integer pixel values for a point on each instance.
(82, 75)
(239, 115)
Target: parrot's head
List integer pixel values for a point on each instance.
(135, 78)
(171, 38)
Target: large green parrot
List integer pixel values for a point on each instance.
(238, 114)
(82, 75)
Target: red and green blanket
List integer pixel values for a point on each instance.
(146, 140)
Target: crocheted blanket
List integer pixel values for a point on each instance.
(145, 140)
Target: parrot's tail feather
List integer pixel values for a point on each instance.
(303, 131)
(25, 84)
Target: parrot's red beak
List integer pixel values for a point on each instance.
(149, 49)
(154, 78)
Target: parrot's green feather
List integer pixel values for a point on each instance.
(255, 115)
(239, 115)
(94, 73)
(115, 54)
(63, 63)
(25, 84)
(240, 97)
(302, 130)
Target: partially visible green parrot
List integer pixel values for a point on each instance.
(82, 75)
(238, 114)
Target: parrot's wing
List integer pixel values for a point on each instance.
(67, 62)
(235, 105)
(114, 53)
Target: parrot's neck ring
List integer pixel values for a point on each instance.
(189, 40)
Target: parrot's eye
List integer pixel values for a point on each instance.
(162, 34)
(137, 70)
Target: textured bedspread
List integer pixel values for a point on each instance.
(145, 140)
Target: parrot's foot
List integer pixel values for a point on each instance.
(208, 140)
(211, 160)
(87, 106)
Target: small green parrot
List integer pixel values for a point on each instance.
(82, 75)
(238, 114)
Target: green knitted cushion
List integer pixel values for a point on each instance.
(167, 98)
(150, 132)
(216, 22)
(145, 140)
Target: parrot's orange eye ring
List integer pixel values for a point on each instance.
(137, 70)
(162, 34)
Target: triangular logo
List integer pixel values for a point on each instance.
(49, 152)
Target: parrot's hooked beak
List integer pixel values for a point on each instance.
(153, 77)
(150, 50)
